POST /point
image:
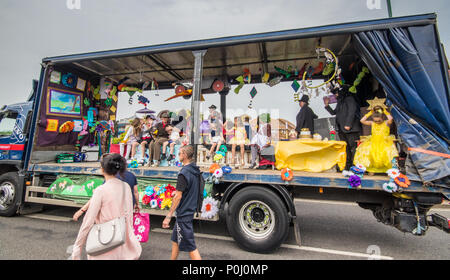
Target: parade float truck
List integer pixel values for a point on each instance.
(50, 145)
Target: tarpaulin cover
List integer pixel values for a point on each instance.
(310, 155)
(408, 64)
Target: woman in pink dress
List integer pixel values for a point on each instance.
(107, 204)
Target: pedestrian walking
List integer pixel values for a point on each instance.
(184, 206)
(125, 176)
(110, 201)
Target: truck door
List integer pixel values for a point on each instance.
(11, 136)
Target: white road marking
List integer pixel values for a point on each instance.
(287, 246)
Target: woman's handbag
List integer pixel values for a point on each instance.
(107, 236)
(141, 224)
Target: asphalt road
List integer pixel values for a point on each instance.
(328, 231)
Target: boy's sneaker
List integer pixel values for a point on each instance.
(170, 158)
(163, 156)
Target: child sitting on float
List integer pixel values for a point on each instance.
(131, 140)
(215, 137)
(174, 139)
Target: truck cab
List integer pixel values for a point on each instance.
(14, 127)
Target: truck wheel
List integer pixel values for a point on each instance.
(257, 220)
(9, 183)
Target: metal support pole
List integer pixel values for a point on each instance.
(223, 105)
(195, 105)
(389, 7)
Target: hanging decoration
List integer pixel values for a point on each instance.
(130, 90)
(66, 127)
(331, 57)
(240, 79)
(69, 80)
(286, 73)
(253, 93)
(247, 76)
(275, 81)
(302, 70)
(265, 78)
(359, 79)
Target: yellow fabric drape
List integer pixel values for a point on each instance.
(310, 155)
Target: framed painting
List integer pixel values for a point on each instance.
(64, 103)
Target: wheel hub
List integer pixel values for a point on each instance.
(256, 219)
(7, 194)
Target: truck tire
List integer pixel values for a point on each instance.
(9, 182)
(257, 219)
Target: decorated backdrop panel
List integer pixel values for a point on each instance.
(62, 102)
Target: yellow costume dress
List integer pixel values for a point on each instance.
(239, 137)
(378, 150)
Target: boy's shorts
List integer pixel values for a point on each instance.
(183, 235)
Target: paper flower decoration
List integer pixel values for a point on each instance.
(161, 190)
(146, 200)
(393, 173)
(218, 173)
(227, 169)
(149, 190)
(153, 203)
(358, 169)
(218, 157)
(209, 208)
(213, 167)
(287, 175)
(223, 149)
(390, 187)
(133, 164)
(402, 181)
(346, 173)
(166, 203)
(355, 181)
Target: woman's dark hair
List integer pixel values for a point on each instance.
(113, 164)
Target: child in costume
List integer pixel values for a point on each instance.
(240, 138)
(261, 144)
(378, 150)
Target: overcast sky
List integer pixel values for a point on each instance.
(32, 29)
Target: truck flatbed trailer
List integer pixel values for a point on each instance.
(258, 205)
(306, 179)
